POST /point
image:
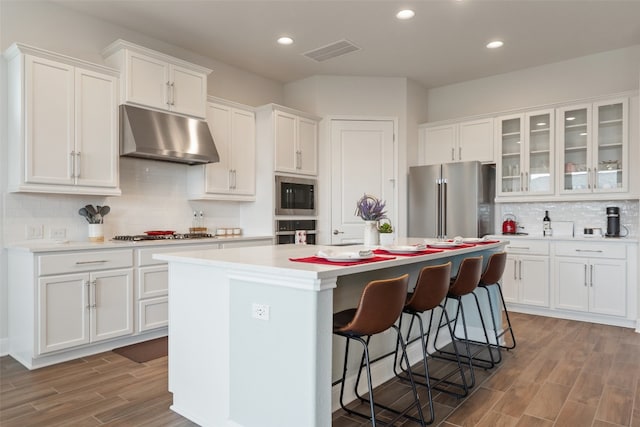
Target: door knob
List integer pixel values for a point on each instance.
(336, 232)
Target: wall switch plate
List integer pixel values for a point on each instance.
(34, 231)
(260, 311)
(58, 233)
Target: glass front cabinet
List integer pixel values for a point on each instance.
(526, 144)
(592, 147)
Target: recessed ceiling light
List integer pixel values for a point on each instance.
(285, 40)
(495, 44)
(405, 14)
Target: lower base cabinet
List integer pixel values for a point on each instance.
(526, 280)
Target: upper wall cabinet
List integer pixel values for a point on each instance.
(233, 127)
(525, 165)
(457, 142)
(62, 124)
(293, 135)
(156, 80)
(593, 146)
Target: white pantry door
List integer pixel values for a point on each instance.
(362, 161)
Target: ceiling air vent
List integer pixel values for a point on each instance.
(332, 50)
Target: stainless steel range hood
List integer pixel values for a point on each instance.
(155, 135)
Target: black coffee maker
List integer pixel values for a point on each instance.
(613, 221)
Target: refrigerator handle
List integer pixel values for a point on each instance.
(438, 207)
(444, 208)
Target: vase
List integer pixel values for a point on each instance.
(96, 233)
(387, 239)
(371, 233)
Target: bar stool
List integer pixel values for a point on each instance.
(430, 292)
(491, 277)
(462, 285)
(380, 306)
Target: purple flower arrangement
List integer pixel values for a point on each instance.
(370, 208)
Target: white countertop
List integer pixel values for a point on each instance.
(53, 246)
(578, 238)
(275, 259)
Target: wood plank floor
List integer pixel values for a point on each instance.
(563, 373)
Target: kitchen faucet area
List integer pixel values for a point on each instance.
(203, 203)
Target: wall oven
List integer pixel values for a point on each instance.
(296, 231)
(296, 196)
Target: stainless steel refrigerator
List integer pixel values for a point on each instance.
(452, 199)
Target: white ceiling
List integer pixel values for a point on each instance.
(443, 44)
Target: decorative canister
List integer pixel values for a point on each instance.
(96, 233)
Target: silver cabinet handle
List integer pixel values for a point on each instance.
(91, 262)
(589, 250)
(521, 181)
(591, 275)
(235, 179)
(93, 294)
(173, 93)
(453, 153)
(526, 181)
(459, 153)
(77, 167)
(515, 269)
(168, 93)
(336, 232)
(520, 269)
(87, 285)
(526, 248)
(589, 178)
(72, 164)
(585, 275)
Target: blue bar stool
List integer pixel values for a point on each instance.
(380, 306)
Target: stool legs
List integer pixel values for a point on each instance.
(365, 363)
(509, 328)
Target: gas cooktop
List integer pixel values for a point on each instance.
(175, 236)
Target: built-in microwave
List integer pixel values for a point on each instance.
(296, 196)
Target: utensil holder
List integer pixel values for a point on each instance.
(96, 233)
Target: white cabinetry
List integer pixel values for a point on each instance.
(525, 164)
(234, 177)
(156, 80)
(593, 147)
(63, 124)
(457, 142)
(296, 141)
(591, 278)
(526, 276)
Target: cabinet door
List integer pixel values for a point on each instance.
(285, 142)
(571, 279)
(439, 144)
(610, 138)
(217, 175)
(49, 105)
(243, 152)
(188, 92)
(307, 143)
(147, 81)
(575, 140)
(608, 287)
(539, 131)
(153, 313)
(153, 281)
(510, 282)
(475, 141)
(112, 304)
(534, 278)
(96, 129)
(510, 173)
(63, 303)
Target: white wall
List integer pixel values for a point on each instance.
(358, 97)
(588, 76)
(153, 193)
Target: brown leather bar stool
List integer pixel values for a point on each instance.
(430, 292)
(380, 306)
(462, 285)
(491, 277)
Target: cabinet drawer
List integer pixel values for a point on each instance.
(153, 313)
(84, 261)
(591, 250)
(145, 256)
(536, 247)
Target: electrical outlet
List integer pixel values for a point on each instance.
(260, 311)
(34, 231)
(58, 233)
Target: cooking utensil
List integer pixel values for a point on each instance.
(104, 210)
(509, 225)
(85, 213)
(91, 210)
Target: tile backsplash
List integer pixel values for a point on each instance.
(154, 197)
(582, 214)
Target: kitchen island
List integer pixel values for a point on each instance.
(250, 331)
